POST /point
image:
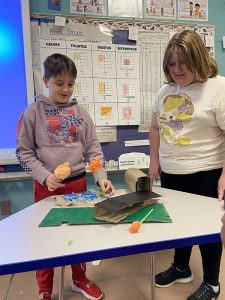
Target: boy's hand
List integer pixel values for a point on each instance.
(53, 183)
(109, 188)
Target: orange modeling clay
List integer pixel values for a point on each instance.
(135, 226)
(62, 171)
(95, 165)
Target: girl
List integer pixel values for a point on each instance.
(188, 145)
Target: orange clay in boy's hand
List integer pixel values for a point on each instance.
(134, 227)
(62, 171)
(95, 164)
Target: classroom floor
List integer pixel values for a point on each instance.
(124, 278)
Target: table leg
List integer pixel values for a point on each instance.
(8, 288)
(152, 276)
(61, 282)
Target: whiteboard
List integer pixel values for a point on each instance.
(16, 75)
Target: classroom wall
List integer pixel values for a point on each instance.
(20, 192)
(216, 18)
(216, 10)
(113, 150)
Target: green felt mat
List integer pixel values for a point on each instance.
(84, 215)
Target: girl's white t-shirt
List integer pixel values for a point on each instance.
(191, 123)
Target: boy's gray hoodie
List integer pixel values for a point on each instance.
(50, 134)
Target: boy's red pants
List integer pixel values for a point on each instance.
(45, 276)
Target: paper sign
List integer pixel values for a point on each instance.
(209, 42)
(133, 33)
(133, 160)
(223, 41)
(60, 21)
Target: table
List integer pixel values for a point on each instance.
(196, 220)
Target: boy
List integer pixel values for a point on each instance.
(51, 131)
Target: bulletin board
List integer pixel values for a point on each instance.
(129, 77)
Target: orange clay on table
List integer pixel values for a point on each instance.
(134, 227)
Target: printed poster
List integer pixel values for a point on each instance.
(96, 7)
(125, 8)
(54, 4)
(193, 10)
(160, 9)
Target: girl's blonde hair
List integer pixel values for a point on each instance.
(189, 45)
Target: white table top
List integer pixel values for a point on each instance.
(24, 246)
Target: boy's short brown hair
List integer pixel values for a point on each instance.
(58, 64)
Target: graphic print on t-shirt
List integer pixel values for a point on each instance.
(62, 126)
(176, 113)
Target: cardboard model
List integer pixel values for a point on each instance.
(137, 181)
(120, 207)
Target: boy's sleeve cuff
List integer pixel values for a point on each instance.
(101, 174)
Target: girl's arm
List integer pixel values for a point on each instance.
(154, 167)
(221, 185)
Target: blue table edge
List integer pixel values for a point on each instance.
(106, 253)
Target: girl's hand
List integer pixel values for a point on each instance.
(223, 230)
(221, 187)
(154, 170)
(109, 188)
(53, 183)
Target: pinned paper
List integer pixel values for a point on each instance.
(223, 41)
(209, 41)
(133, 33)
(60, 21)
(133, 160)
